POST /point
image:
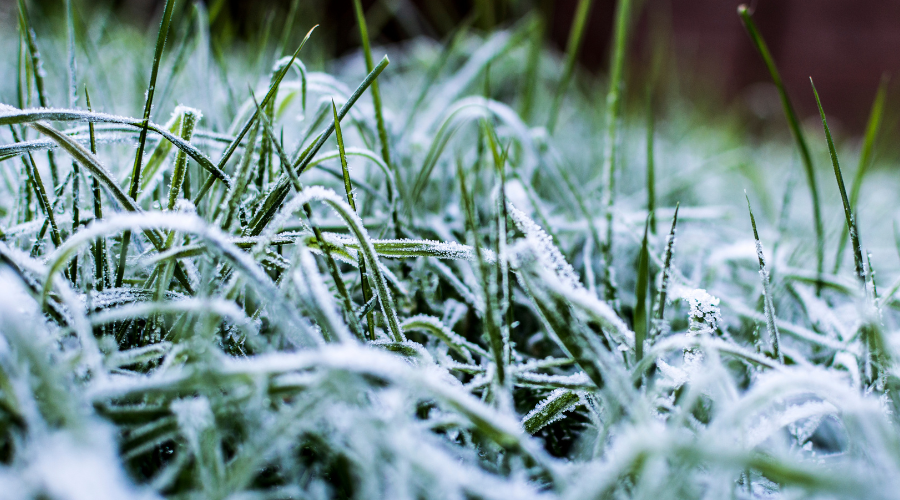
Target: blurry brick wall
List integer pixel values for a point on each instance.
(845, 45)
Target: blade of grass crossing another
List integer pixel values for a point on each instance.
(273, 89)
(848, 210)
(796, 131)
(768, 305)
(339, 284)
(303, 161)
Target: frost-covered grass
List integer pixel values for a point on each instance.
(354, 279)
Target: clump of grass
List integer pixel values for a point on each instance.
(336, 287)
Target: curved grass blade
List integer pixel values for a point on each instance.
(10, 115)
(796, 131)
(549, 410)
(89, 161)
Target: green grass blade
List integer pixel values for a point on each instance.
(796, 131)
(573, 47)
(188, 122)
(139, 154)
(641, 316)
(37, 74)
(613, 112)
(348, 188)
(303, 161)
(848, 210)
(666, 272)
(768, 304)
(273, 90)
(101, 267)
(376, 93)
(491, 318)
(651, 163)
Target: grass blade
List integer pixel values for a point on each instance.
(573, 47)
(666, 272)
(865, 160)
(139, 154)
(270, 94)
(376, 94)
(796, 131)
(613, 111)
(848, 210)
(641, 316)
(348, 188)
(768, 305)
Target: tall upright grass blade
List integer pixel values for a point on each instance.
(270, 94)
(666, 271)
(348, 188)
(794, 124)
(610, 153)
(101, 267)
(37, 74)
(769, 306)
(491, 316)
(376, 93)
(848, 209)
(641, 311)
(873, 127)
(651, 161)
(573, 47)
(148, 105)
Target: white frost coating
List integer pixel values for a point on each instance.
(547, 253)
(559, 275)
(355, 224)
(67, 468)
(193, 415)
(415, 248)
(768, 425)
(579, 381)
(310, 283)
(436, 327)
(705, 314)
(545, 414)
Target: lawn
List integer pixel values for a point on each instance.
(455, 269)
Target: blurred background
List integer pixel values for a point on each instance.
(845, 45)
